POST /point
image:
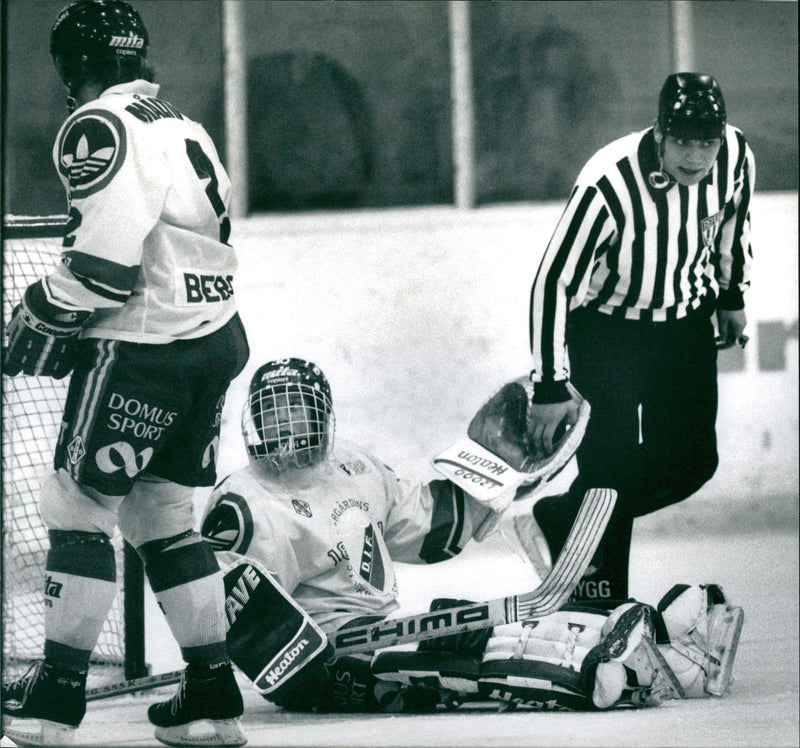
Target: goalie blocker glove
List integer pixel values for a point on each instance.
(42, 334)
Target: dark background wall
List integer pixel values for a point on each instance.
(349, 101)
(186, 43)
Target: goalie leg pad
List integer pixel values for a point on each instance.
(271, 639)
(538, 663)
(442, 670)
(627, 668)
(618, 669)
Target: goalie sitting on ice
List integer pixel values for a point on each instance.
(308, 533)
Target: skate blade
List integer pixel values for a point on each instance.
(666, 684)
(723, 653)
(218, 732)
(26, 732)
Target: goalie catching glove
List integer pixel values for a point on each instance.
(502, 426)
(497, 457)
(42, 333)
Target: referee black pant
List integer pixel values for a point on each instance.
(651, 436)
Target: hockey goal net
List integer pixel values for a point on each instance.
(31, 413)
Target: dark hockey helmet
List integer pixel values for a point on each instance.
(288, 418)
(691, 106)
(90, 36)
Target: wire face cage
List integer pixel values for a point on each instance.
(288, 425)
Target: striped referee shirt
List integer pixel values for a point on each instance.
(638, 252)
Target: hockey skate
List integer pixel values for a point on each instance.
(632, 640)
(44, 706)
(724, 628)
(633, 625)
(204, 711)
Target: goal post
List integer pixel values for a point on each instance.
(31, 419)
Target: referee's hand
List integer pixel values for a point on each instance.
(548, 422)
(731, 324)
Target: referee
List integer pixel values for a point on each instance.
(653, 245)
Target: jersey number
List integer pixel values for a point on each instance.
(74, 220)
(205, 170)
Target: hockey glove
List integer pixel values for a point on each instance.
(501, 426)
(42, 334)
(497, 462)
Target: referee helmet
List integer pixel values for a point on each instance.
(691, 106)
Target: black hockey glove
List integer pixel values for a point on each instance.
(42, 335)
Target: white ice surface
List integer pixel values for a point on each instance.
(758, 571)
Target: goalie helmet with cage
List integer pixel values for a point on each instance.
(102, 40)
(288, 419)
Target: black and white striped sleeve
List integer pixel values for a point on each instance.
(585, 230)
(735, 254)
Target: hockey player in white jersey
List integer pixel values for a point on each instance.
(308, 533)
(140, 310)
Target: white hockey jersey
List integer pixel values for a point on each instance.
(329, 533)
(147, 239)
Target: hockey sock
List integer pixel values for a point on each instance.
(187, 582)
(606, 580)
(80, 585)
(555, 515)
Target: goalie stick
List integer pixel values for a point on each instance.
(549, 596)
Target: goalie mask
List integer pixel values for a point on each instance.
(288, 419)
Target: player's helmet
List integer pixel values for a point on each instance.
(288, 418)
(691, 106)
(90, 36)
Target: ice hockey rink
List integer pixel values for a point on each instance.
(761, 709)
(417, 316)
